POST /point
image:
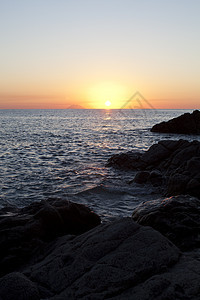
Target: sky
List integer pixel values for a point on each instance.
(58, 53)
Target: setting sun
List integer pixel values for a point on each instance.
(107, 103)
(98, 94)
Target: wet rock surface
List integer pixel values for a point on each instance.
(25, 232)
(173, 164)
(184, 124)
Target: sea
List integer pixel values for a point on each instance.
(63, 154)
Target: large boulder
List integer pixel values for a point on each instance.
(184, 124)
(26, 231)
(176, 217)
(103, 263)
(121, 260)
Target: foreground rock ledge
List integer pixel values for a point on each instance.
(120, 260)
(184, 124)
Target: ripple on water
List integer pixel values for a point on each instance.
(63, 153)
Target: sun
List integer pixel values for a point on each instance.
(107, 103)
(107, 95)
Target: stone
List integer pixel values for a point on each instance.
(170, 164)
(177, 184)
(155, 178)
(129, 160)
(103, 262)
(184, 124)
(155, 154)
(118, 260)
(181, 283)
(142, 177)
(25, 234)
(176, 217)
(16, 286)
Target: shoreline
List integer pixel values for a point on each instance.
(57, 249)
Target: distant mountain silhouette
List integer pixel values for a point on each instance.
(74, 106)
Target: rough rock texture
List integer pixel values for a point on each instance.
(178, 283)
(118, 260)
(103, 262)
(175, 164)
(178, 218)
(24, 233)
(185, 124)
(16, 286)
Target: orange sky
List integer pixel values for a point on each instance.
(57, 54)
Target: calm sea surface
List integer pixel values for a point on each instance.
(63, 153)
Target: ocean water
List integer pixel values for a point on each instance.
(63, 153)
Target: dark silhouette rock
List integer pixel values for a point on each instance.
(27, 232)
(117, 260)
(184, 124)
(129, 160)
(177, 218)
(142, 177)
(16, 286)
(154, 177)
(104, 263)
(174, 165)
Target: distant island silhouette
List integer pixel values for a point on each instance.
(74, 106)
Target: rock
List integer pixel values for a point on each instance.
(154, 177)
(142, 177)
(177, 218)
(177, 184)
(155, 154)
(171, 164)
(193, 185)
(130, 160)
(193, 166)
(16, 286)
(104, 262)
(181, 283)
(28, 231)
(184, 124)
(117, 260)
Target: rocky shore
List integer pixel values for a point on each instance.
(57, 249)
(173, 165)
(154, 255)
(184, 124)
